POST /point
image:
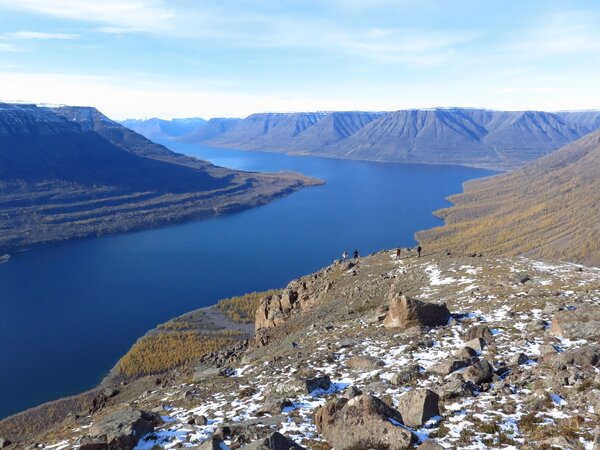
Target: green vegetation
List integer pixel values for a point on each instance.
(159, 352)
(242, 309)
(549, 209)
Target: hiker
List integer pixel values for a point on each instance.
(355, 254)
(344, 256)
(419, 250)
(398, 253)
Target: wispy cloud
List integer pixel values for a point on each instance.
(130, 15)
(7, 47)
(36, 35)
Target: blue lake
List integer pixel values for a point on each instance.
(67, 313)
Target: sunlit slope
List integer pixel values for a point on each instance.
(550, 209)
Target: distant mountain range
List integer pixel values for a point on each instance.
(71, 172)
(548, 209)
(159, 128)
(475, 137)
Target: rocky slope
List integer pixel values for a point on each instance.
(548, 209)
(484, 138)
(71, 172)
(387, 352)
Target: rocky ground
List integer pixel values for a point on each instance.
(363, 355)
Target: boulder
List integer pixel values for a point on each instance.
(406, 375)
(418, 406)
(517, 359)
(202, 374)
(456, 389)
(597, 440)
(275, 309)
(479, 331)
(581, 323)
(4, 442)
(274, 407)
(364, 363)
(430, 444)
(465, 353)
(583, 356)
(123, 429)
(449, 365)
(211, 444)
(362, 422)
(275, 441)
(478, 373)
(476, 344)
(407, 312)
(299, 386)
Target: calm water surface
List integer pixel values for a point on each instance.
(67, 313)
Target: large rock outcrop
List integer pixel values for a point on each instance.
(406, 312)
(581, 323)
(362, 422)
(122, 430)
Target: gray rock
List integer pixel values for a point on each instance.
(547, 349)
(274, 407)
(211, 444)
(478, 373)
(361, 423)
(476, 344)
(517, 359)
(364, 363)
(322, 382)
(275, 441)
(203, 374)
(450, 365)
(407, 312)
(4, 442)
(123, 429)
(89, 443)
(597, 440)
(430, 444)
(406, 375)
(465, 353)
(418, 406)
(351, 392)
(479, 331)
(581, 323)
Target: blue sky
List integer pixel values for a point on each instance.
(181, 58)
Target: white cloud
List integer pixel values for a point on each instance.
(7, 47)
(36, 35)
(130, 15)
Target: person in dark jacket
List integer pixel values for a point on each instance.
(355, 254)
(419, 249)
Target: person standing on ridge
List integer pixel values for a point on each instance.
(355, 254)
(398, 253)
(344, 256)
(419, 250)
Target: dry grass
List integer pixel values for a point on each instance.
(243, 308)
(549, 209)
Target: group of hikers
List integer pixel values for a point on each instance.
(345, 255)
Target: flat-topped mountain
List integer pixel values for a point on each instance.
(476, 137)
(549, 208)
(71, 172)
(381, 352)
(155, 128)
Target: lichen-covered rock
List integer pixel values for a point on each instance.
(478, 373)
(418, 406)
(362, 422)
(275, 441)
(123, 429)
(408, 312)
(581, 323)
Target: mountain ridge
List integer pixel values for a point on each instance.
(501, 140)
